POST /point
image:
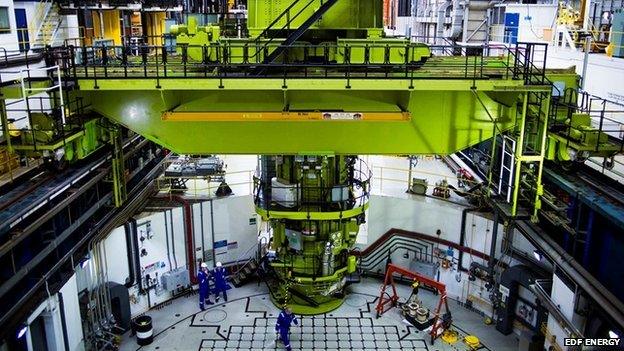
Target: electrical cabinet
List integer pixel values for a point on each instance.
(175, 279)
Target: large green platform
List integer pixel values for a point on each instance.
(446, 115)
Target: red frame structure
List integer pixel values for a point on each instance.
(438, 326)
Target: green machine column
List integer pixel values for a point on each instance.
(314, 205)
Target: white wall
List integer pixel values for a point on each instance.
(8, 40)
(604, 73)
(534, 19)
(72, 315)
(117, 259)
(231, 222)
(427, 215)
(563, 297)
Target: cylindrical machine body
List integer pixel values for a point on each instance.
(314, 205)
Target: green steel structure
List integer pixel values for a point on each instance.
(315, 204)
(316, 84)
(308, 118)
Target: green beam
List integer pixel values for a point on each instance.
(445, 115)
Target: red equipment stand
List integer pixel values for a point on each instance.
(439, 324)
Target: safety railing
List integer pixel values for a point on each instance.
(606, 128)
(39, 99)
(397, 180)
(205, 186)
(601, 39)
(350, 194)
(332, 61)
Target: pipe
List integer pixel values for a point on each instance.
(201, 228)
(493, 244)
(212, 228)
(190, 254)
(188, 231)
(130, 253)
(63, 321)
(136, 258)
(462, 232)
(603, 297)
(440, 21)
(107, 297)
(175, 258)
(167, 240)
(415, 235)
(456, 22)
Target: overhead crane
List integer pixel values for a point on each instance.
(315, 84)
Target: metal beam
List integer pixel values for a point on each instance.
(209, 116)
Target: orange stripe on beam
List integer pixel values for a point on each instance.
(284, 116)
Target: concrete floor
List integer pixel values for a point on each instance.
(247, 322)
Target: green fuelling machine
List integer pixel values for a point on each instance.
(314, 206)
(302, 31)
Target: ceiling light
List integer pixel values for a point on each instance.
(22, 330)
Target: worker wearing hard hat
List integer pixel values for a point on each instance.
(204, 290)
(218, 274)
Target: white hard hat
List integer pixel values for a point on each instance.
(218, 264)
(204, 265)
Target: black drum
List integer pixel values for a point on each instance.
(144, 330)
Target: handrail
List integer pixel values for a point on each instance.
(542, 289)
(46, 6)
(98, 62)
(416, 235)
(285, 12)
(389, 248)
(288, 22)
(242, 256)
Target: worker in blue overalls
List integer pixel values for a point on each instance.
(204, 288)
(282, 327)
(220, 283)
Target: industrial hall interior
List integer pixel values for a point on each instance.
(380, 175)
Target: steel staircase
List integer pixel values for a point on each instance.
(245, 273)
(248, 269)
(297, 33)
(50, 23)
(272, 32)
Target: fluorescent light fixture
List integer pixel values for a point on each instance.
(613, 335)
(22, 330)
(84, 262)
(537, 255)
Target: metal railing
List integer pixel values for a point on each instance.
(239, 60)
(606, 118)
(353, 193)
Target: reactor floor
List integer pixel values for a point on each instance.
(247, 321)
